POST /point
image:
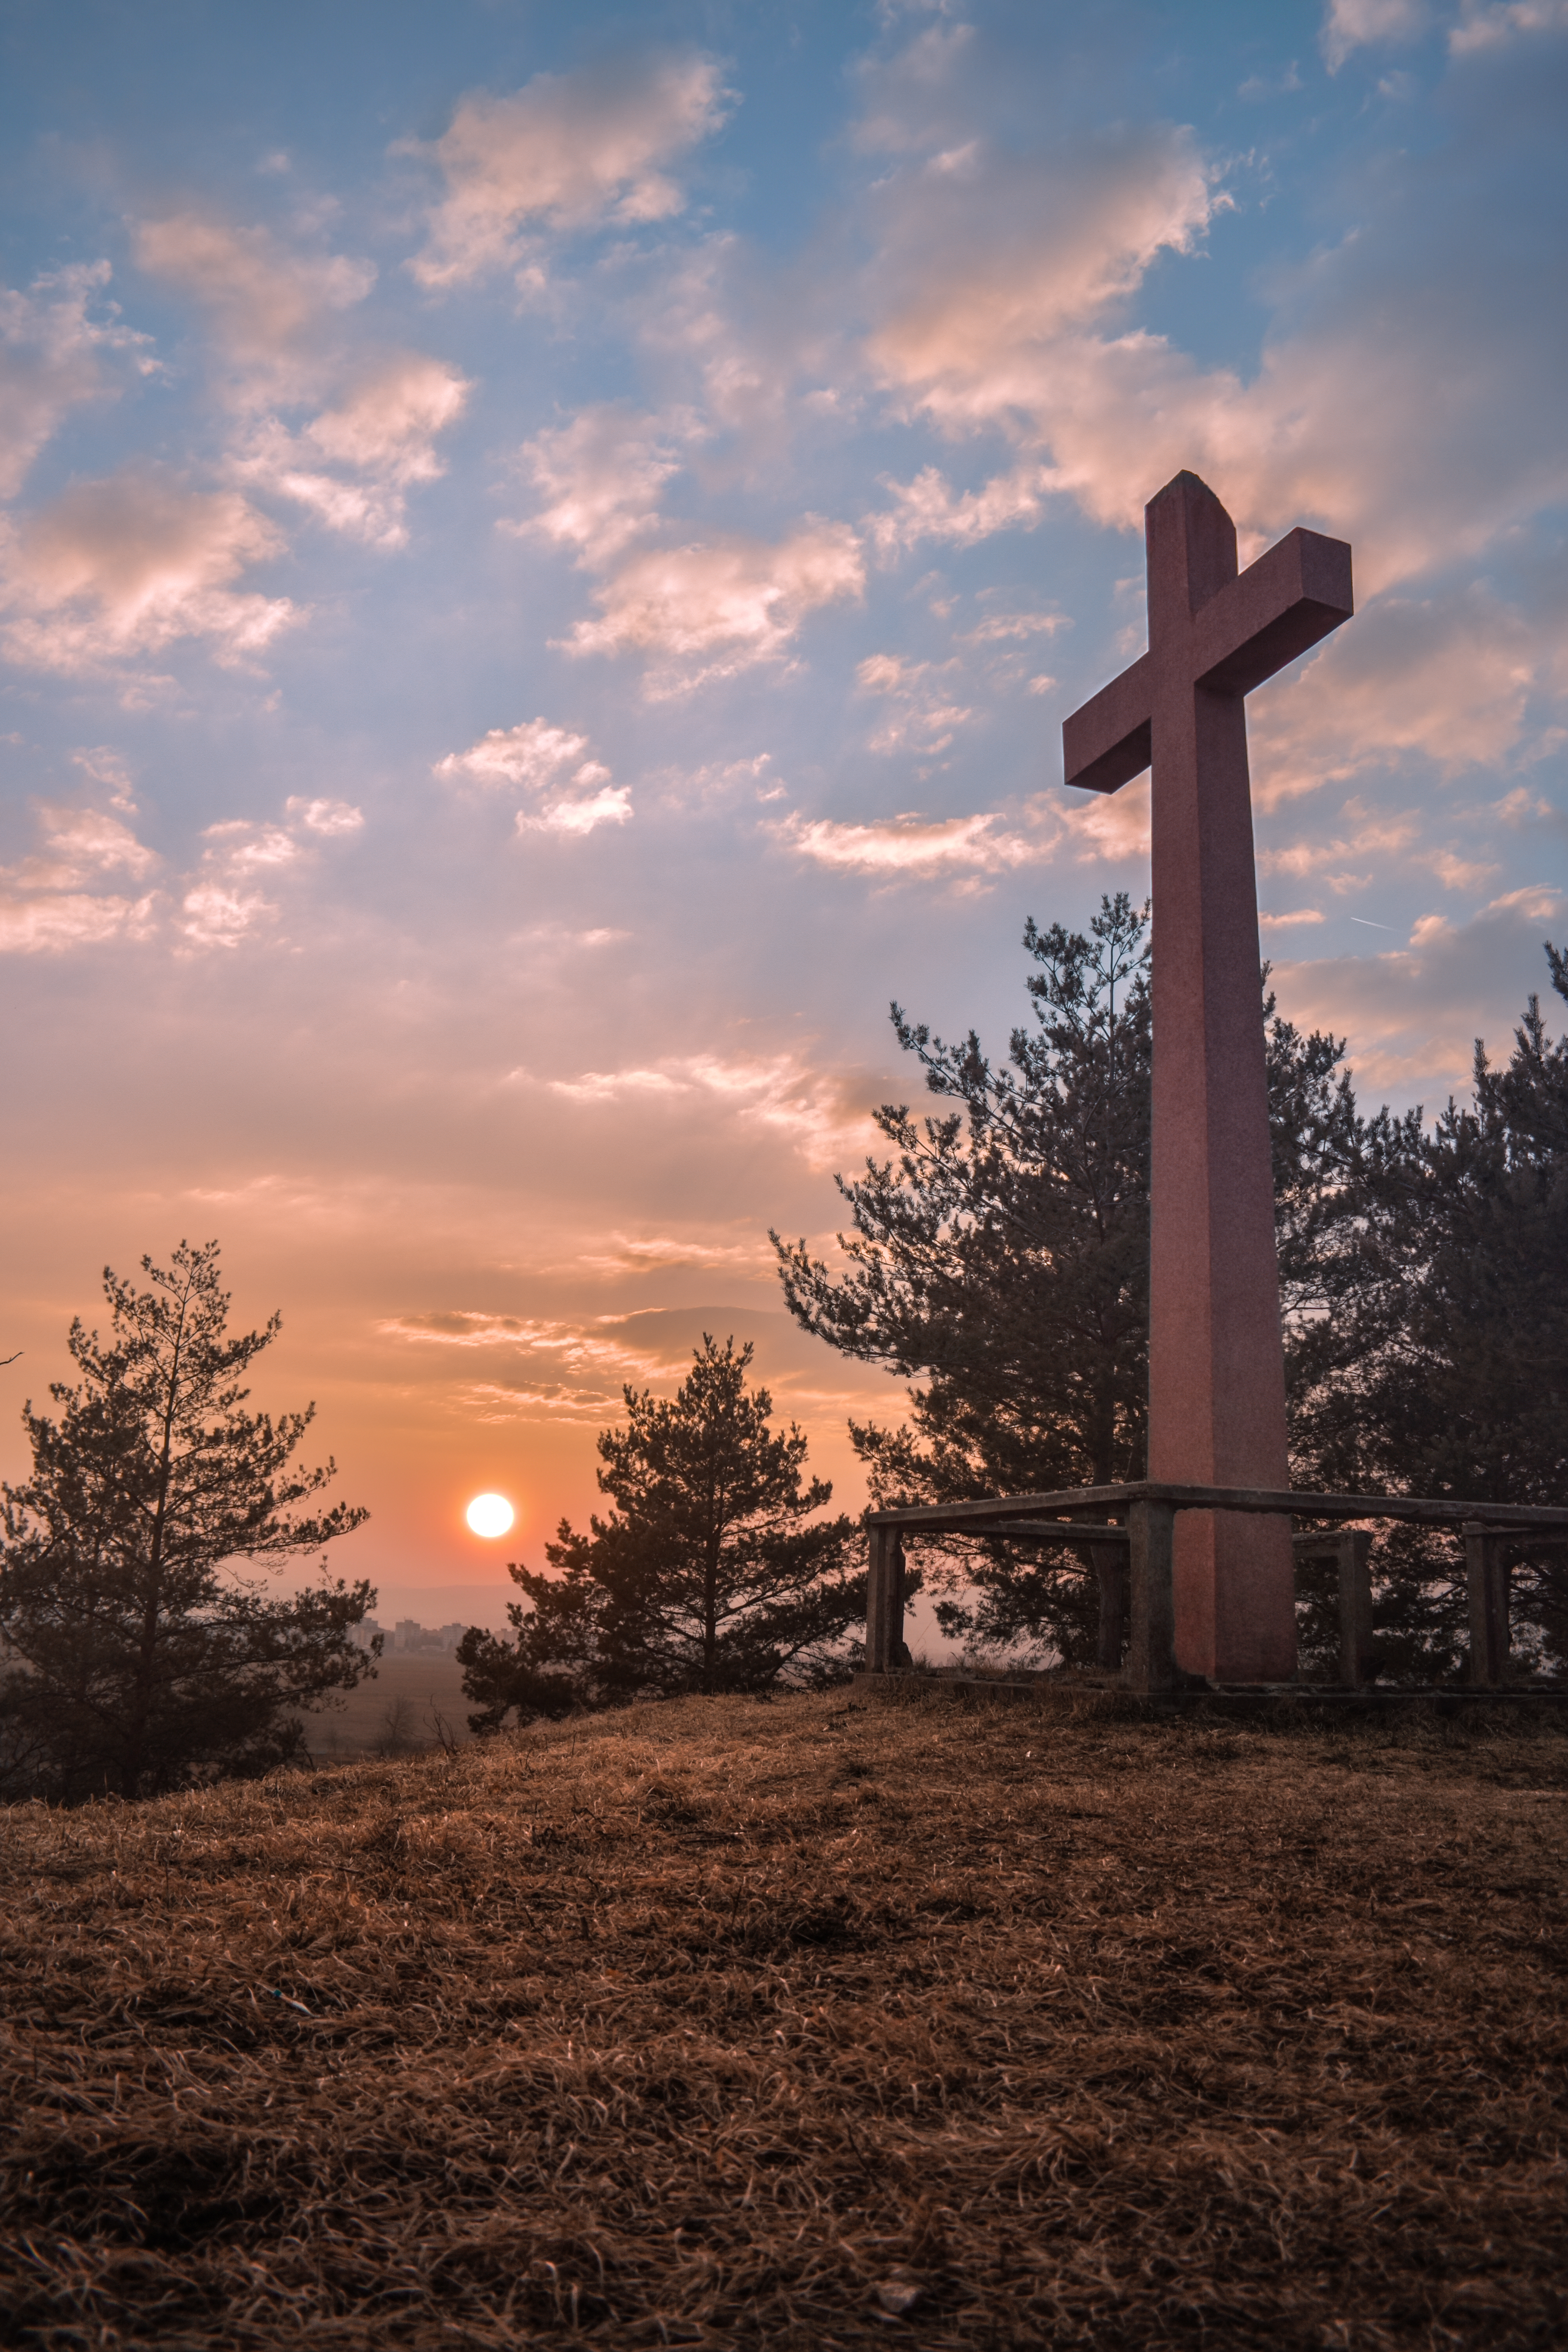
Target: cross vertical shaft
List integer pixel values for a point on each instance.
(1217, 1382)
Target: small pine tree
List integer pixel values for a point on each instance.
(138, 1658)
(712, 1572)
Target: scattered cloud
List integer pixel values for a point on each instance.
(224, 902)
(538, 757)
(1109, 827)
(534, 753)
(103, 765)
(720, 781)
(72, 919)
(125, 567)
(46, 901)
(566, 152)
(1364, 836)
(272, 308)
(52, 351)
(277, 316)
(926, 508)
(632, 1253)
(1487, 24)
(331, 818)
(718, 607)
(919, 717)
(1351, 25)
(1446, 679)
(601, 477)
(1001, 302)
(983, 274)
(44, 907)
(381, 435)
(918, 848)
(818, 1114)
(80, 844)
(611, 804)
(216, 915)
(1412, 1012)
(1003, 628)
(1262, 86)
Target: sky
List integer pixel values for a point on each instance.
(545, 554)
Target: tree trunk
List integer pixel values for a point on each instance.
(152, 1598)
(709, 1613)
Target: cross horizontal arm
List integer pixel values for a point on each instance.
(1276, 609)
(1109, 740)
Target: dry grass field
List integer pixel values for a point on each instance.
(429, 1682)
(804, 2025)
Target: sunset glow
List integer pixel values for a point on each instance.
(544, 555)
(490, 1514)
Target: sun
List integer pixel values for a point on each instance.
(490, 1514)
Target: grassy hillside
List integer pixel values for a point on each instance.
(803, 2024)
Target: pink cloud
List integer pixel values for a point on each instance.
(601, 477)
(272, 307)
(1412, 1012)
(819, 1115)
(610, 805)
(382, 434)
(540, 758)
(72, 919)
(981, 275)
(1000, 300)
(1350, 25)
(51, 360)
(565, 151)
(117, 569)
(919, 717)
(78, 843)
(532, 754)
(1488, 24)
(916, 848)
(277, 317)
(724, 604)
(1446, 679)
(926, 508)
(44, 907)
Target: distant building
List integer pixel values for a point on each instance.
(409, 1634)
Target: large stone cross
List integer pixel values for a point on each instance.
(1216, 1368)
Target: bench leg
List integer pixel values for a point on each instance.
(1355, 1549)
(1151, 1652)
(1488, 1582)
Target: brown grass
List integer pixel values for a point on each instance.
(803, 2024)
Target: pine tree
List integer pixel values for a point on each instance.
(1438, 1362)
(712, 1571)
(1002, 1253)
(139, 1657)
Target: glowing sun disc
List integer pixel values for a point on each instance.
(490, 1514)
